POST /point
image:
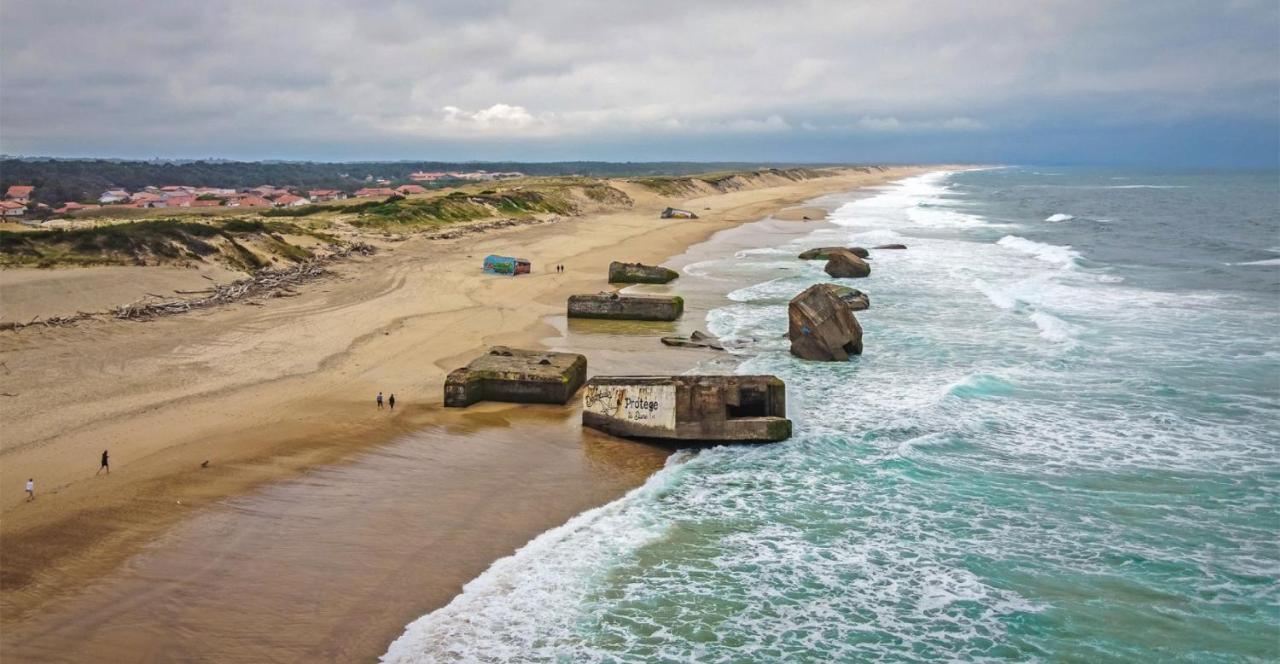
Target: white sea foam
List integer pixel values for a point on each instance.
(999, 296)
(1050, 253)
(527, 599)
(1265, 261)
(1059, 217)
(762, 251)
(781, 289)
(1053, 328)
(704, 270)
(942, 218)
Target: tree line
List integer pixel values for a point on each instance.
(61, 180)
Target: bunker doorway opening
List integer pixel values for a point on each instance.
(751, 403)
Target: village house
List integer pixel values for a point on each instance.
(374, 192)
(289, 200)
(206, 202)
(407, 189)
(318, 195)
(251, 201)
(12, 208)
(114, 196)
(19, 193)
(180, 201)
(422, 176)
(267, 191)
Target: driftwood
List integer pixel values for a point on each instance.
(267, 282)
(53, 321)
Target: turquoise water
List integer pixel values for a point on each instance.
(1060, 445)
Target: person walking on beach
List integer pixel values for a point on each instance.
(31, 489)
(391, 401)
(379, 400)
(106, 463)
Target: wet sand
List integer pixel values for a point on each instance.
(331, 565)
(323, 494)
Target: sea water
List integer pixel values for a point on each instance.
(1059, 445)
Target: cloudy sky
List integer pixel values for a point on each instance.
(1090, 81)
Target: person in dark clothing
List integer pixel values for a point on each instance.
(391, 401)
(106, 463)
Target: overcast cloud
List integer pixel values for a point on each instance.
(1078, 80)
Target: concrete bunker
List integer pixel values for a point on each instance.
(614, 306)
(688, 409)
(516, 375)
(638, 273)
(677, 213)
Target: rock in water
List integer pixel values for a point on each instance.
(822, 326)
(891, 246)
(695, 340)
(635, 273)
(844, 264)
(824, 253)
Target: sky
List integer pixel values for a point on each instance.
(1160, 82)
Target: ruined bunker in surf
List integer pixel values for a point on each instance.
(520, 376)
(821, 324)
(688, 409)
(636, 273)
(613, 306)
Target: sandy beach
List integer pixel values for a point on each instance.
(268, 391)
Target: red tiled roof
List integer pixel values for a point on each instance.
(20, 191)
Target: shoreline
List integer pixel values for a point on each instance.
(285, 446)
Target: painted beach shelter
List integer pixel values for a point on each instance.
(508, 265)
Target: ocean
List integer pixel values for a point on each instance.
(1059, 445)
